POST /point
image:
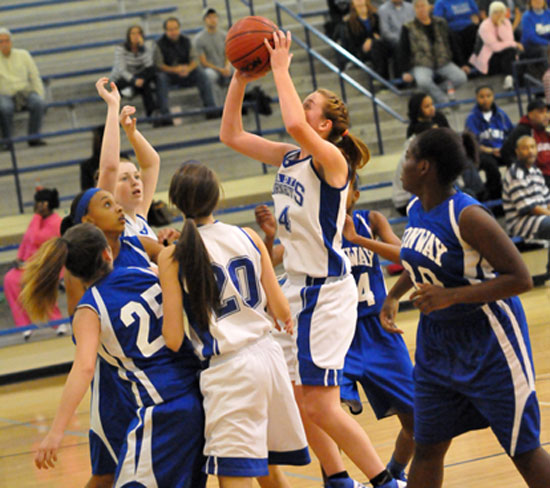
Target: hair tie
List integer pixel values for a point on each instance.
(82, 207)
(345, 133)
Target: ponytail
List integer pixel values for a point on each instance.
(41, 278)
(355, 151)
(195, 191)
(196, 275)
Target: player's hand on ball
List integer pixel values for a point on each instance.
(280, 54)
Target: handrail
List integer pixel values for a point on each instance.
(376, 102)
(43, 3)
(515, 74)
(91, 20)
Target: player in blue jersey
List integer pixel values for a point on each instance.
(310, 193)
(474, 366)
(223, 277)
(133, 188)
(107, 426)
(120, 318)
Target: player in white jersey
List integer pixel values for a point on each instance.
(133, 188)
(474, 367)
(119, 318)
(223, 278)
(310, 205)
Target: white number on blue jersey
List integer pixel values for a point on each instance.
(424, 275)
(364, 290)
(284, 219)
(240, 271)
(135, 310)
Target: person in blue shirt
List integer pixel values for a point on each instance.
(120, 318)
(473, 360)
(535, 29)
(463, 19)
(490, 125)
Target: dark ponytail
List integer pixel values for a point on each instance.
(195, 191)
(80, 250)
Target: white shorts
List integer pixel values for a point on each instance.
(252, 419)
(325, 314)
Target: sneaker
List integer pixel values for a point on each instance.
(400, 476)
(394, 484)
(63, 329)
(344, 483)
(127, 92)
(508, 83)
(354, 406)
(27, 335)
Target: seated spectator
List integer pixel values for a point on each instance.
(363, 36)
(514, 12)
(496, 48)
(462, 16)
(490, 125)
(534, 124)
(422, 116)
(525, 196)
(44, 225)
(426, 50)
(393, 14)
(177, 65)
(337, 11)
(210, 48)
(20, 88)
(134, 70)
(535, 29)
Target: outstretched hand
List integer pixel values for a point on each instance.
(280, 56)
(128, 122)
(110, 97)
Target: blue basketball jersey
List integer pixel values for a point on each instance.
(138, 227)
(131, 336)
(242, 319)
(131, 254)
(365, 267)
(311, 216)
(433, 251)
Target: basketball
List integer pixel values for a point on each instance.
(244, 44)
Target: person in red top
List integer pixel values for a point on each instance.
(534, 124)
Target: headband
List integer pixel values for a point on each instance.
(82, 207)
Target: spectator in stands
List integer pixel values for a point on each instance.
(20, 88)
(363, 36)
(535, 29)
(134, 70)
(427, 50)
(514, 12)
(496, 48)
(422, 116)
(393, 14)
(525, 196)
(490, 125)
(44, 225)
(210, 48)
(337, 11)
(462, 16)
(177, 65)
(534, 124)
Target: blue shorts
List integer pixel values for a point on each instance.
(164, 445)
(111, 411)
(475, 372)
(380, 362)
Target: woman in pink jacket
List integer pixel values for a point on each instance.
(496, 48)
(43, 226)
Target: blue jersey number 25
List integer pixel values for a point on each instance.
(241, 272)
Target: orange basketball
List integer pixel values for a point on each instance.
(244, 44)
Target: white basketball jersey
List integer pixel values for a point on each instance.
(242, 319)
(138, 227)
(311, 216)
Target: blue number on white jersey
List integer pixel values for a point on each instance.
(284, 219)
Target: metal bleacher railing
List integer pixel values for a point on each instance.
(42, 3)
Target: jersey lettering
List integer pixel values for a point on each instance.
(425, 242)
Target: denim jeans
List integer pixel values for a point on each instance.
(36, 106)
(424, 78)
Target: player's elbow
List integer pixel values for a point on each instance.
(173, 342)
(524, 282)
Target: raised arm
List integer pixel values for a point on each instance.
(276, 300)
(148, 159)
(173, 329)
(86, 330)
(110, 147)
(325, 154)
(232, 133)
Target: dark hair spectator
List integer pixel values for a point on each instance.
(423, 115)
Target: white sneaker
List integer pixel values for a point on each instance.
(27, 334)
(508, 83)
(127, 92)
(63, 329)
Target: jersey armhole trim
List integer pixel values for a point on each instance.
(322, 180)
(86, 305)
(250, 239)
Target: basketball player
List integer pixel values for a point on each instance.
(474, 367)
(310, 193)
(223, 277)
(120, 318)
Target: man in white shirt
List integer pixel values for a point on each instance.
(20, 88)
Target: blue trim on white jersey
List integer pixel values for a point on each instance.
(299, 457)
(250, 239)
(288, 161)
(232, 466)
